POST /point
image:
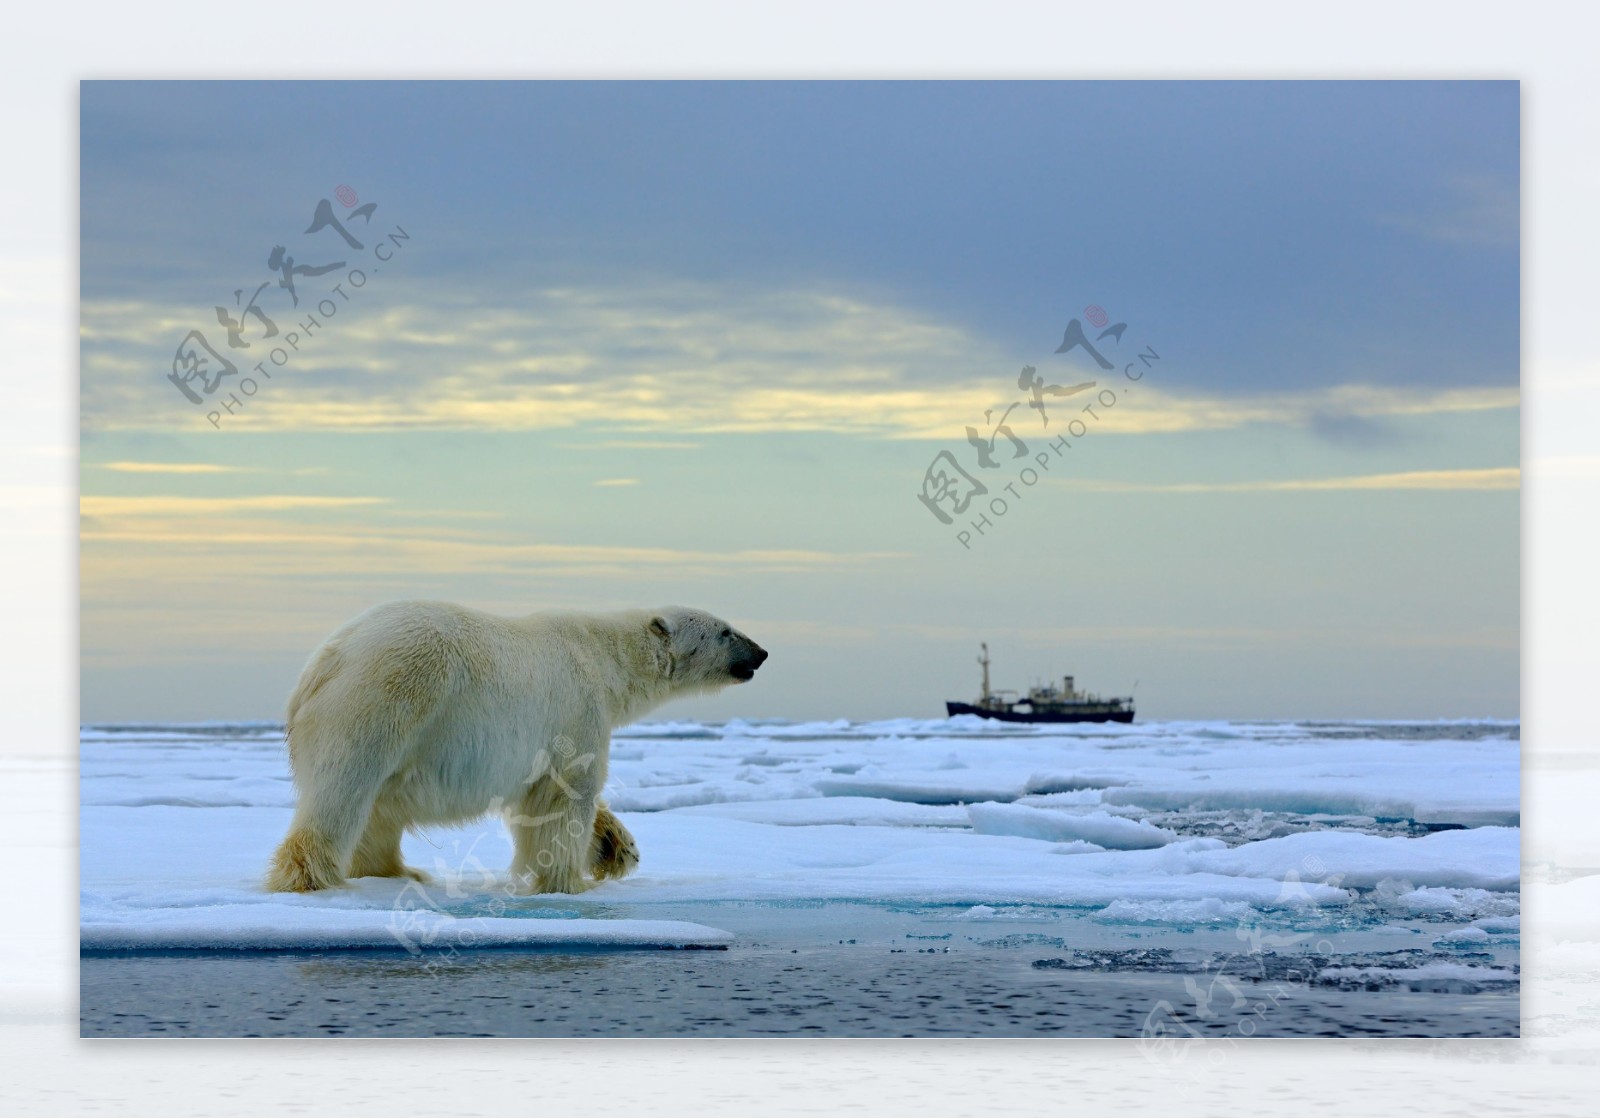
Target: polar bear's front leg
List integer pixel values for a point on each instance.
(550, 845)
(552, 828)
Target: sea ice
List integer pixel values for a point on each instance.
(177, 823)
(1098, 828)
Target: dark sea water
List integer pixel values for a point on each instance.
(830, 970)
(842, 992)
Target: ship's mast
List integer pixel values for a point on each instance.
(984, 660)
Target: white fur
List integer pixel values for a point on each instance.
(420, 713)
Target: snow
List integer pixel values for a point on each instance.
(1467, 936)
(1099, 828)
(278, 927)
(1454, 903)
(932, 790)
(206, 896)
(1141, 825)
(1477, 858)
(858, 811)
(1187, 912)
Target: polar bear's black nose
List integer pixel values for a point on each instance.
(745, 667)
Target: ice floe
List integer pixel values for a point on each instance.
(1149, 825)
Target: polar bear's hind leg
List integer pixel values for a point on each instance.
(305, 861)
(612, 852)
(336, 802)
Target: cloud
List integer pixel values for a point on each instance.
(157, 540)
(617, 482)
(91, 505)
(1150, 411)
(665, 359)
(664, 362)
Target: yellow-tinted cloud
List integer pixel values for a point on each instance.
(161, 538)
(100, 506)
(195, 468)
(671, 360)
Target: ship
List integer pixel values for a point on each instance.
(1044, 704)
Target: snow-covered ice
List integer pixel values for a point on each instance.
(1099, 828)
(279, 927)
(1176, 825)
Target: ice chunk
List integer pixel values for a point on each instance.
(1197, 911)
(1465, 937)
(1010, 913)
(1068, 799)
(1076, 847)
(1445, 901)
(1479, 858)
(282, 927)
(1100, 828)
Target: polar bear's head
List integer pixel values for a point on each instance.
(705, 652)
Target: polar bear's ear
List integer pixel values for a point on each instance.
(659, 627)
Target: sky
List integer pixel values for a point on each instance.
(599, 345)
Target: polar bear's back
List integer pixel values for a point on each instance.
(387, 672)
(405, 651)
(443, 671)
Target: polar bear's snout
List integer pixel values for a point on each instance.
(706, 652)
(745, 667)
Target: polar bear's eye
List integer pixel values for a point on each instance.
(727, 633)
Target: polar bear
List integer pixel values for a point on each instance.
(418, 713)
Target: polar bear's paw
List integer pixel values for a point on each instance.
(421, 877)
(612, 853)
(549, 882)
(304, 863)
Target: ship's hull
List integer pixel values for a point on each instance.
(1094, 715)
